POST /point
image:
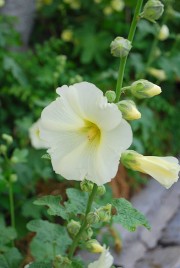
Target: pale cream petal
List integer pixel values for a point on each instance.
(161, 168)
(34, 133)
(104, 261)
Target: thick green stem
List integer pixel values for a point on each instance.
(11, 202)
(84, 223)
(123, 60)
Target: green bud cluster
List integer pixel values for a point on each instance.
(153, 10)
(87, 234)
(120, 47)
(93, 218)
(104, 213)
(61, 261)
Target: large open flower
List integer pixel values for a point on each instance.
(86, 135)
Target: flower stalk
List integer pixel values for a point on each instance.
(84, 223)
(123, 60)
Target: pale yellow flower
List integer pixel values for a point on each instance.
(35, 139)
(85, 133)
(104, 261)
(163, 33)
(163, 169)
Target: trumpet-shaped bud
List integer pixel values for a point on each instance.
(163, 33)
(101, 190)
(104, 213)
(153, 10)
(94, 246)
(110, 95)
(129, 110)
(157, 73)
(120, 47)
(92, 218)
(86, 186)
(163, 169)
(7, 138)
(73, 228)
(144, 89)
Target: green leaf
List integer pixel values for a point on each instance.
(11, 259)
(129, 217)
(8, 234)
(52, 237)
(77, 201)
(53, 204)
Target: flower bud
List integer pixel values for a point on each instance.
(7, 138)
(92, 218)
(67, 35)
(129, 110)
(157, 73)
(163, 169)
(61, 261)
(153, 10)
(86, 186)
(110, 95)
(144, 89)
(3, 149)
(117, 5)
(73, 228)
(87, 234)
(94, 246)
(13, 177)
(101, 190)
(120, 47)
(104, 213)
(163, 33)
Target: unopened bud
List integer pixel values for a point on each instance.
(129, 159)
(101, 190)
(157, 73)
(104, 213)
(94, 246)
(7, 138)
(87, 234)
(144, 89)
(129, 110)
(13, 177)
(3, 149)
(92, 218)
(110, 95)
(61, 261)
(86, 186)
(120, 47)
(163, 33)
(73, 228)
(153, 10)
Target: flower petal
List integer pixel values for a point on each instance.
(104, 261)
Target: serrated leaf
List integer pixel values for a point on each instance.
(8, 234)
(77, 201)
(54, 239)
(129, 217)
(54, 206)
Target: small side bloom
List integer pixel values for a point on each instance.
(104, 261)
(34, 134)
(163, 169)
(85, 133)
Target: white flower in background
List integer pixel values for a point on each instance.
(163, 169)
(36, 141)
(2, 3)
(163, 33)
(104, 261)
(157, 73)
(85, 133)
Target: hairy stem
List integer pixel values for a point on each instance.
(11, 202)
(123, 60)
(84, 223)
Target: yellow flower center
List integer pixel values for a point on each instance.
(38, 133)
(92, 131)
